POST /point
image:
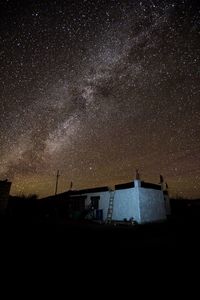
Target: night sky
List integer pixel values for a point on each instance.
(97, 89)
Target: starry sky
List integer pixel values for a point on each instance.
(96, 89)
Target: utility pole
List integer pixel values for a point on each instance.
(57, 177)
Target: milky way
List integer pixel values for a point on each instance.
(97, 89)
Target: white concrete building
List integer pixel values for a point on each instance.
(137, 200)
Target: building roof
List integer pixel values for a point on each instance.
(127, 185)
(87, 191)
(148, 185)
(122, 186)
(5, 182)
(144, 184)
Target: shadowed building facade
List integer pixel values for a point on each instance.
(5, 186)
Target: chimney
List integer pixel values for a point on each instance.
(137, 181)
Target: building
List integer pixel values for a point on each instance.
(134, 201)
(5, 186)
(138, 200)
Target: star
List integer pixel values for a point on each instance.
(97, 88)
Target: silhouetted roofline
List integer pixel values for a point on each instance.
(144, 184)
(123, 186)
(5, 182)
(149, 185)
(87, 191)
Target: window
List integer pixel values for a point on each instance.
(95, 202)
(77, 203)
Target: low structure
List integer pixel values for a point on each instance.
(137, 200)
(5, 186)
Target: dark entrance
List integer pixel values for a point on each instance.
(99, 214)
(95, 202)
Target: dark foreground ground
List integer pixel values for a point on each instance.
(27, 231)
(77, 252)
(79, 237)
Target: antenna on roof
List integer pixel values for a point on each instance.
(57, 177)
(137, 174)
(163, 184)
(71, 184)
(161, 179)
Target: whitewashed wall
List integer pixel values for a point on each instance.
(152, 205)
(126, 205)
(144, 205)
